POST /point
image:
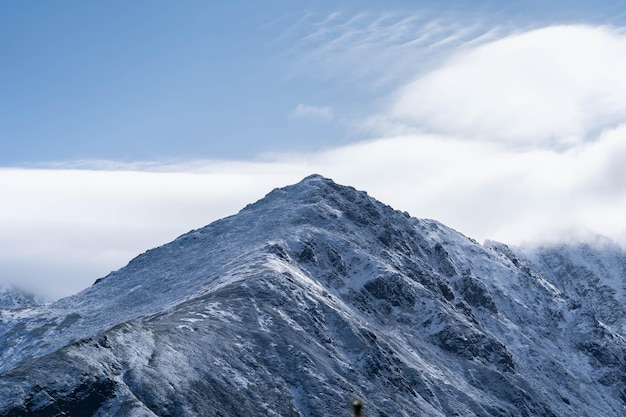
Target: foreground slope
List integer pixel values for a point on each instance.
(317, 293)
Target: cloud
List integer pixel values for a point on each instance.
(62, 229)
(487, 191)
(375, 51)
(556, 87)
(303, 111)
(453, 149)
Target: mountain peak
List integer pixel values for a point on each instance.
(314, 183)
(316, 193)
(315, 178)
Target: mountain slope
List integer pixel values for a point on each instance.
(14, 298)
(314, 294)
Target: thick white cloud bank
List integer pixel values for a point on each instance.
(556, 86)
(517, 139)
(62, 229)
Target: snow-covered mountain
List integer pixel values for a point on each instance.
(318, 293)
(12, 298)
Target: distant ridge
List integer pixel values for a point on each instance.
(13, 298)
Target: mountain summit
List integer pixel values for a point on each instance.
(318, 293)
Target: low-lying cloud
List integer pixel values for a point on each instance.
(77, 225)
(64, 228)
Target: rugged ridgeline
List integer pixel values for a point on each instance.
(319, 293)
(11, 298)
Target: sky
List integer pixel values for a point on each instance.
(126, 124)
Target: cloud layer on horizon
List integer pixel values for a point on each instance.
(86, 223)
(457, 161)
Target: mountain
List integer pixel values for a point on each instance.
(318, 293)
(12, 298)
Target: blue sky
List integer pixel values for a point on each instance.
(157, 80)
(124, 124)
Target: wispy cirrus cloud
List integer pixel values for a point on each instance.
(382, 48)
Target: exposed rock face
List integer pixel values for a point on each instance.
(318, 293)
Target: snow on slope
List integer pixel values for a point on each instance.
(317, 293)
(14, 298)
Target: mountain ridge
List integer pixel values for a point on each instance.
(316, 293)
(12, 297)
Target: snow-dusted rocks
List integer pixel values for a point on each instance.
(15, 298)
(318, 293)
